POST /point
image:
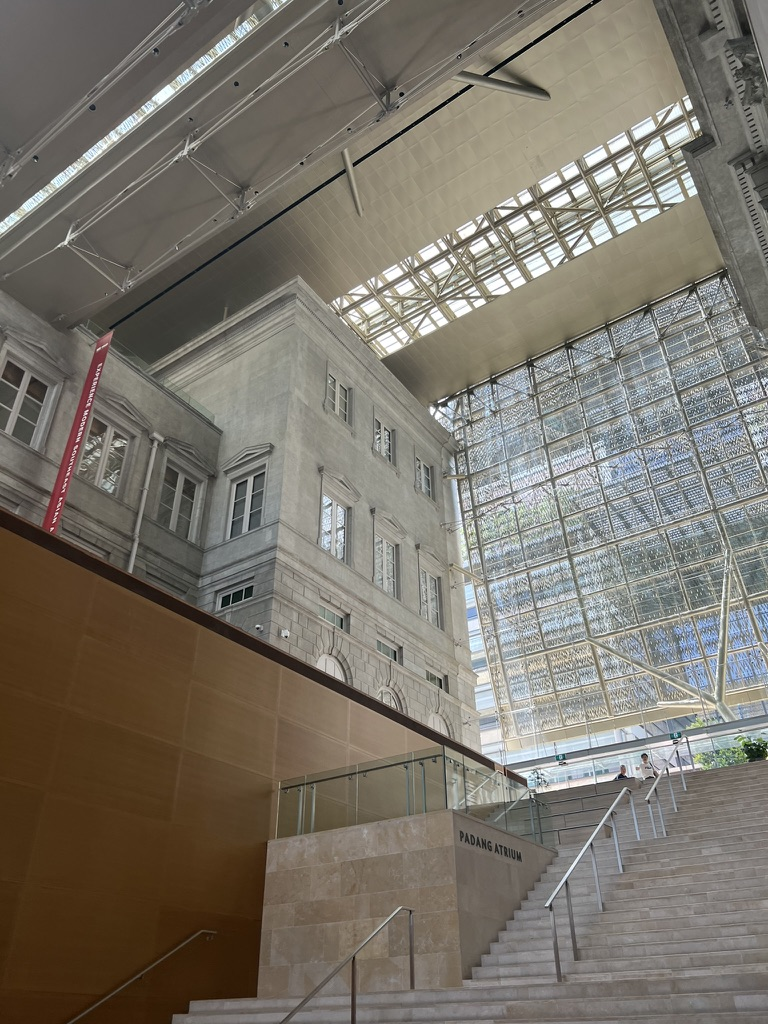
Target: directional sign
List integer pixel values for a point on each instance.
(560, 757)
(675, 735)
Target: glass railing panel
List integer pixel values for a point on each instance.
(455, 784)
(331, 803)
(385, 792)
(429, 782)
(290, 818)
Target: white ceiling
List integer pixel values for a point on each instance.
(422, 171)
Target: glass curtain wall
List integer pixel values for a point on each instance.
(614, 503)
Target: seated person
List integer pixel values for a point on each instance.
(622, 773)
(645, 768)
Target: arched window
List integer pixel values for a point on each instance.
(332, 667)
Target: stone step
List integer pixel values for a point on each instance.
(647, 945)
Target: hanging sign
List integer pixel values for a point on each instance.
(76, 434)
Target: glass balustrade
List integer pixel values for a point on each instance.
(435, 779)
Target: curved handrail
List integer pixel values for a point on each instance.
(146, 970)
(563, 883)
(352, 957)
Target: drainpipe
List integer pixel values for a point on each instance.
(156, 440)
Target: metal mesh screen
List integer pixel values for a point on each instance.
(601, 486)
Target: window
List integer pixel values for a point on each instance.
(429, 587)
(104, 454)
(384, 441)
(333, 528)
(22, 400)
(337, 398)
(385, 566)
(236, 596)
(335, 619)
(424, 476)
(393, 653)
(440, 681)
(247, 504)
(177, 502)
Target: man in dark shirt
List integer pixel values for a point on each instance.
(622, 772)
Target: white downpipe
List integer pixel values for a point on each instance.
(156, 440)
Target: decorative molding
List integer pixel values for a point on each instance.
(248, 458)
(117, 407)
(28, 344)
(341, 484)
(389, 522)
(184, 450)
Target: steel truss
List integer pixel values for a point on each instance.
(636, 176)
(614, 494)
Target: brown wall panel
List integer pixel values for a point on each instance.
(141, 741)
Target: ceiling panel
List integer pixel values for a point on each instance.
(466, 158)
(290, 92)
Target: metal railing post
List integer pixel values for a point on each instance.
(671, 790)
(538, 819)
(411, 952)
(407, 792)
(423, 787)
(661, 817)
(634, 815)
(571, 922)
(313, 794)
(353, 993)
(653, 820)
(558, 972)
(597, 877)
(682, 773)
(300, 813)
(615, 831)
(531, 802)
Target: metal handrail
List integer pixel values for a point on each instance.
(352, 957)
(145, 970)
(607, 819)
(652, 792)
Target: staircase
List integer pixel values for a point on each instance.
(683, 937)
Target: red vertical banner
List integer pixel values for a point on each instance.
(76, 434)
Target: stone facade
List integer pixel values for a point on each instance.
(266, 373)
(325, 893)
(280, 444)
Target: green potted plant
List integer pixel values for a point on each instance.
(755, 747)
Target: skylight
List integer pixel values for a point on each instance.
(618, 185)
(202, 64)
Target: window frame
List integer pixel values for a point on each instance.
(438, 679)
(113, 425)
(235, 482)
(429, 612)
(424, 472)
(230, 591)
(380, 427)
(331, 400)
(327, 494)
(339, 620)
(30, 368)
(385, 540)
(197, 501)
(393, 652)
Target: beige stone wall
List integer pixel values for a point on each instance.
(326, 892)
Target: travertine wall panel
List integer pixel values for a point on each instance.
(325, 893)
